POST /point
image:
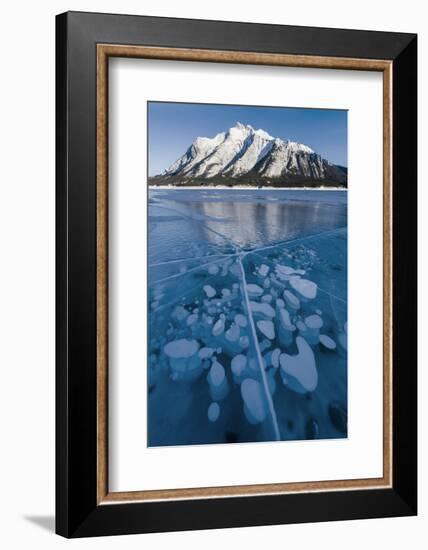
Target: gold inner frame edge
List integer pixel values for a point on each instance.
(104, 51)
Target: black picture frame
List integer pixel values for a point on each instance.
(78, 513)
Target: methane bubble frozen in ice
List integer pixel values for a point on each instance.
(291, 300)
(244, 342)
(275, 357)
(266, 283)
(267, 329)
(205, 353)
(180, 313)
(254, 291)
(271, 359)
(253, 366)
(233, 333)
(209, 291)
(218, 328)
(213, 269)
(184, 360)
(306, 289)
(313, 324)
(284, 272)
(267, 360)
(217, 382)
(263, 270)
(285, 327)
(213, 412)
(265, 343)
(181, 349)
(238, 366)
(302, 328)
(255, 407)
(327, 342)
(158, 294)
(241, 320)
(262, 310)
(300, 371)
(192, 319)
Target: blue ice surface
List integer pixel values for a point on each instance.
(216, 240)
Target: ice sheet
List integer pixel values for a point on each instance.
(245, 246)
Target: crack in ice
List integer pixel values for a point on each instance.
(197, 268)
(191, 259)
(332, 295)
(259, 354)
(292, 241)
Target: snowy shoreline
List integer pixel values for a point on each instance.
(246, 188)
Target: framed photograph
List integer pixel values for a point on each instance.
(236, 274)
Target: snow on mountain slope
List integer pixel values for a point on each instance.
(199, 150)
(245, 153)
(258, 146)
(290, 158)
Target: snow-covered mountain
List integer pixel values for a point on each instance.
(243, 155)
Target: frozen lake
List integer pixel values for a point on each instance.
(247, 315)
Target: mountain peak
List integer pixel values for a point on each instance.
(248, 129)
(240, 131)
(240, 126)
(243, 152)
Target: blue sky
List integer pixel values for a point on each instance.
(174, 126)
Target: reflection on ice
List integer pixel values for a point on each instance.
(247, 322)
